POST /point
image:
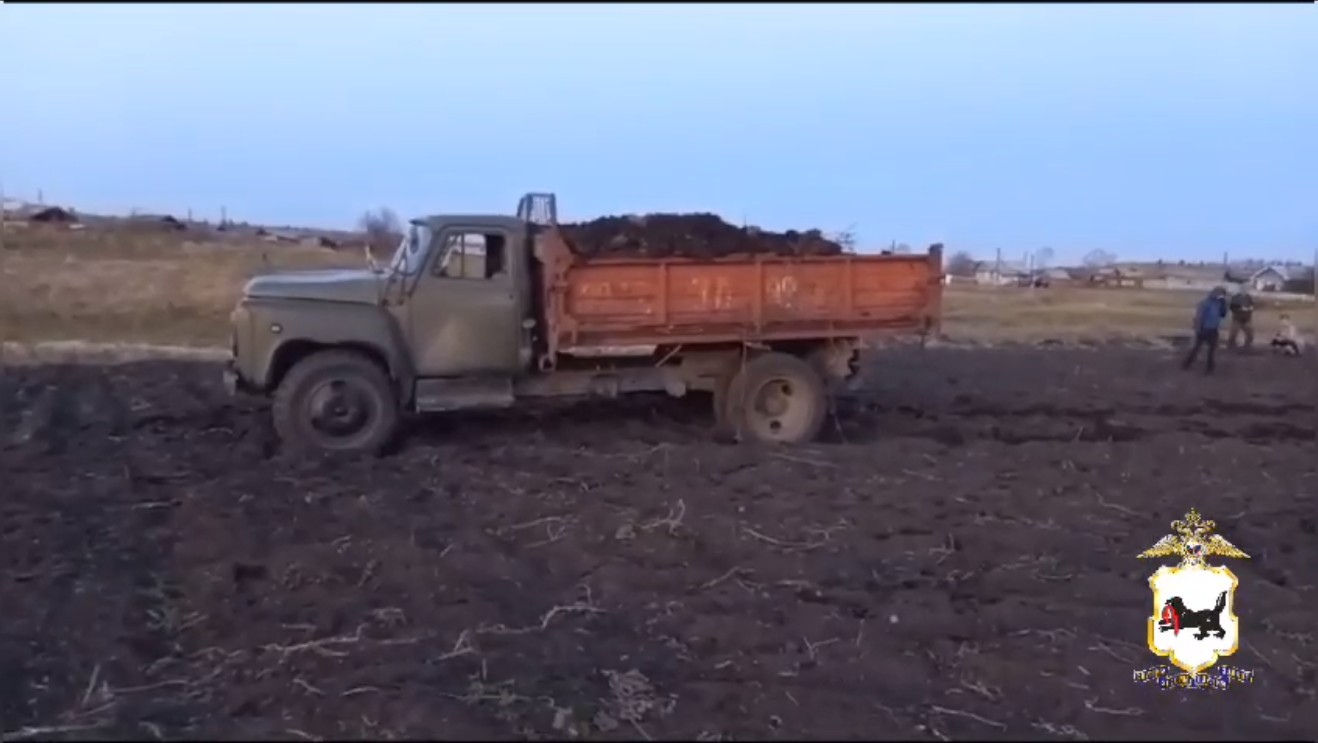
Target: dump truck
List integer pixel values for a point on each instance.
(481, 311)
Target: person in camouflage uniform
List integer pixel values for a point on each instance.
(1242, 320)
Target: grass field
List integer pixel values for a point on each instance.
(1086, 313)
(135, 287)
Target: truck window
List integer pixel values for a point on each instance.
(473, 255)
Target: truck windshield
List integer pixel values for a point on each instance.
(411, 253)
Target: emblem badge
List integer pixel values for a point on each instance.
(1193, 623)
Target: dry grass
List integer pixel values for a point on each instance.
(1073, 313)
(122, 287)
(125, 287)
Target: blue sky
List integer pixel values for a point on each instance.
(1144, 130)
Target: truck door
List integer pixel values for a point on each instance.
(464, 316)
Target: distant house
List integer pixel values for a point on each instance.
(1235, 275)
(1175, 282)
(1130, 277)
(52, 215)
(1269, 279)
(995, 274)
(278, 236)
(27, 215)
(1299, 280)
(165, 222)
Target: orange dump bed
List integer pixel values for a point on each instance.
(638, 301)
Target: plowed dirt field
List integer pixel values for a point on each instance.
(957, 561)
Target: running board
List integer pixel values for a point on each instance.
(438, 395)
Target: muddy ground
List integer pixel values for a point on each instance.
(687, 235)
(958, 561)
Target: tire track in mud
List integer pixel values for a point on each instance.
(959, 424)
(980, 555)
(86, 549)
(965, 406)
(36, 412)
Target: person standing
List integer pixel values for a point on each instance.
(1207, 328)
(1242, 319)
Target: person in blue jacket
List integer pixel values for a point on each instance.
(1207, 328)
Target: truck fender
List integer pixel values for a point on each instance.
(305, 330)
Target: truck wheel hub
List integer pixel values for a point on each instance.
(773, 407)
(775, 399)
(338, 409)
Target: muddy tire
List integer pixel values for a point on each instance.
(778, 399)
(336, 401)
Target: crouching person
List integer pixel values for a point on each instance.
(1287, 340)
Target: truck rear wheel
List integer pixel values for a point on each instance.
(336, 401)
(777, 398)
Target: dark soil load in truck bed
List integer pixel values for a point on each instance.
(687, 235)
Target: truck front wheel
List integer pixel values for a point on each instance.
(336, 401)
(777, 398)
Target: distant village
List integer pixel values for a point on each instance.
(1100, 269)
(17, 215)
(1258, 277)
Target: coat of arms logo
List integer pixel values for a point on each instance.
(1193, 623)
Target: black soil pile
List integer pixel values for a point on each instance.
(689, 236)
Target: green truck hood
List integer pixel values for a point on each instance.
(358, 286)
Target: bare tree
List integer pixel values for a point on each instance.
(383, 228)
(847, 239)
(1099, 259)
(901, 249)
(961, 263)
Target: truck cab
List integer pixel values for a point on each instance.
(455, 300)
(460, 290)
